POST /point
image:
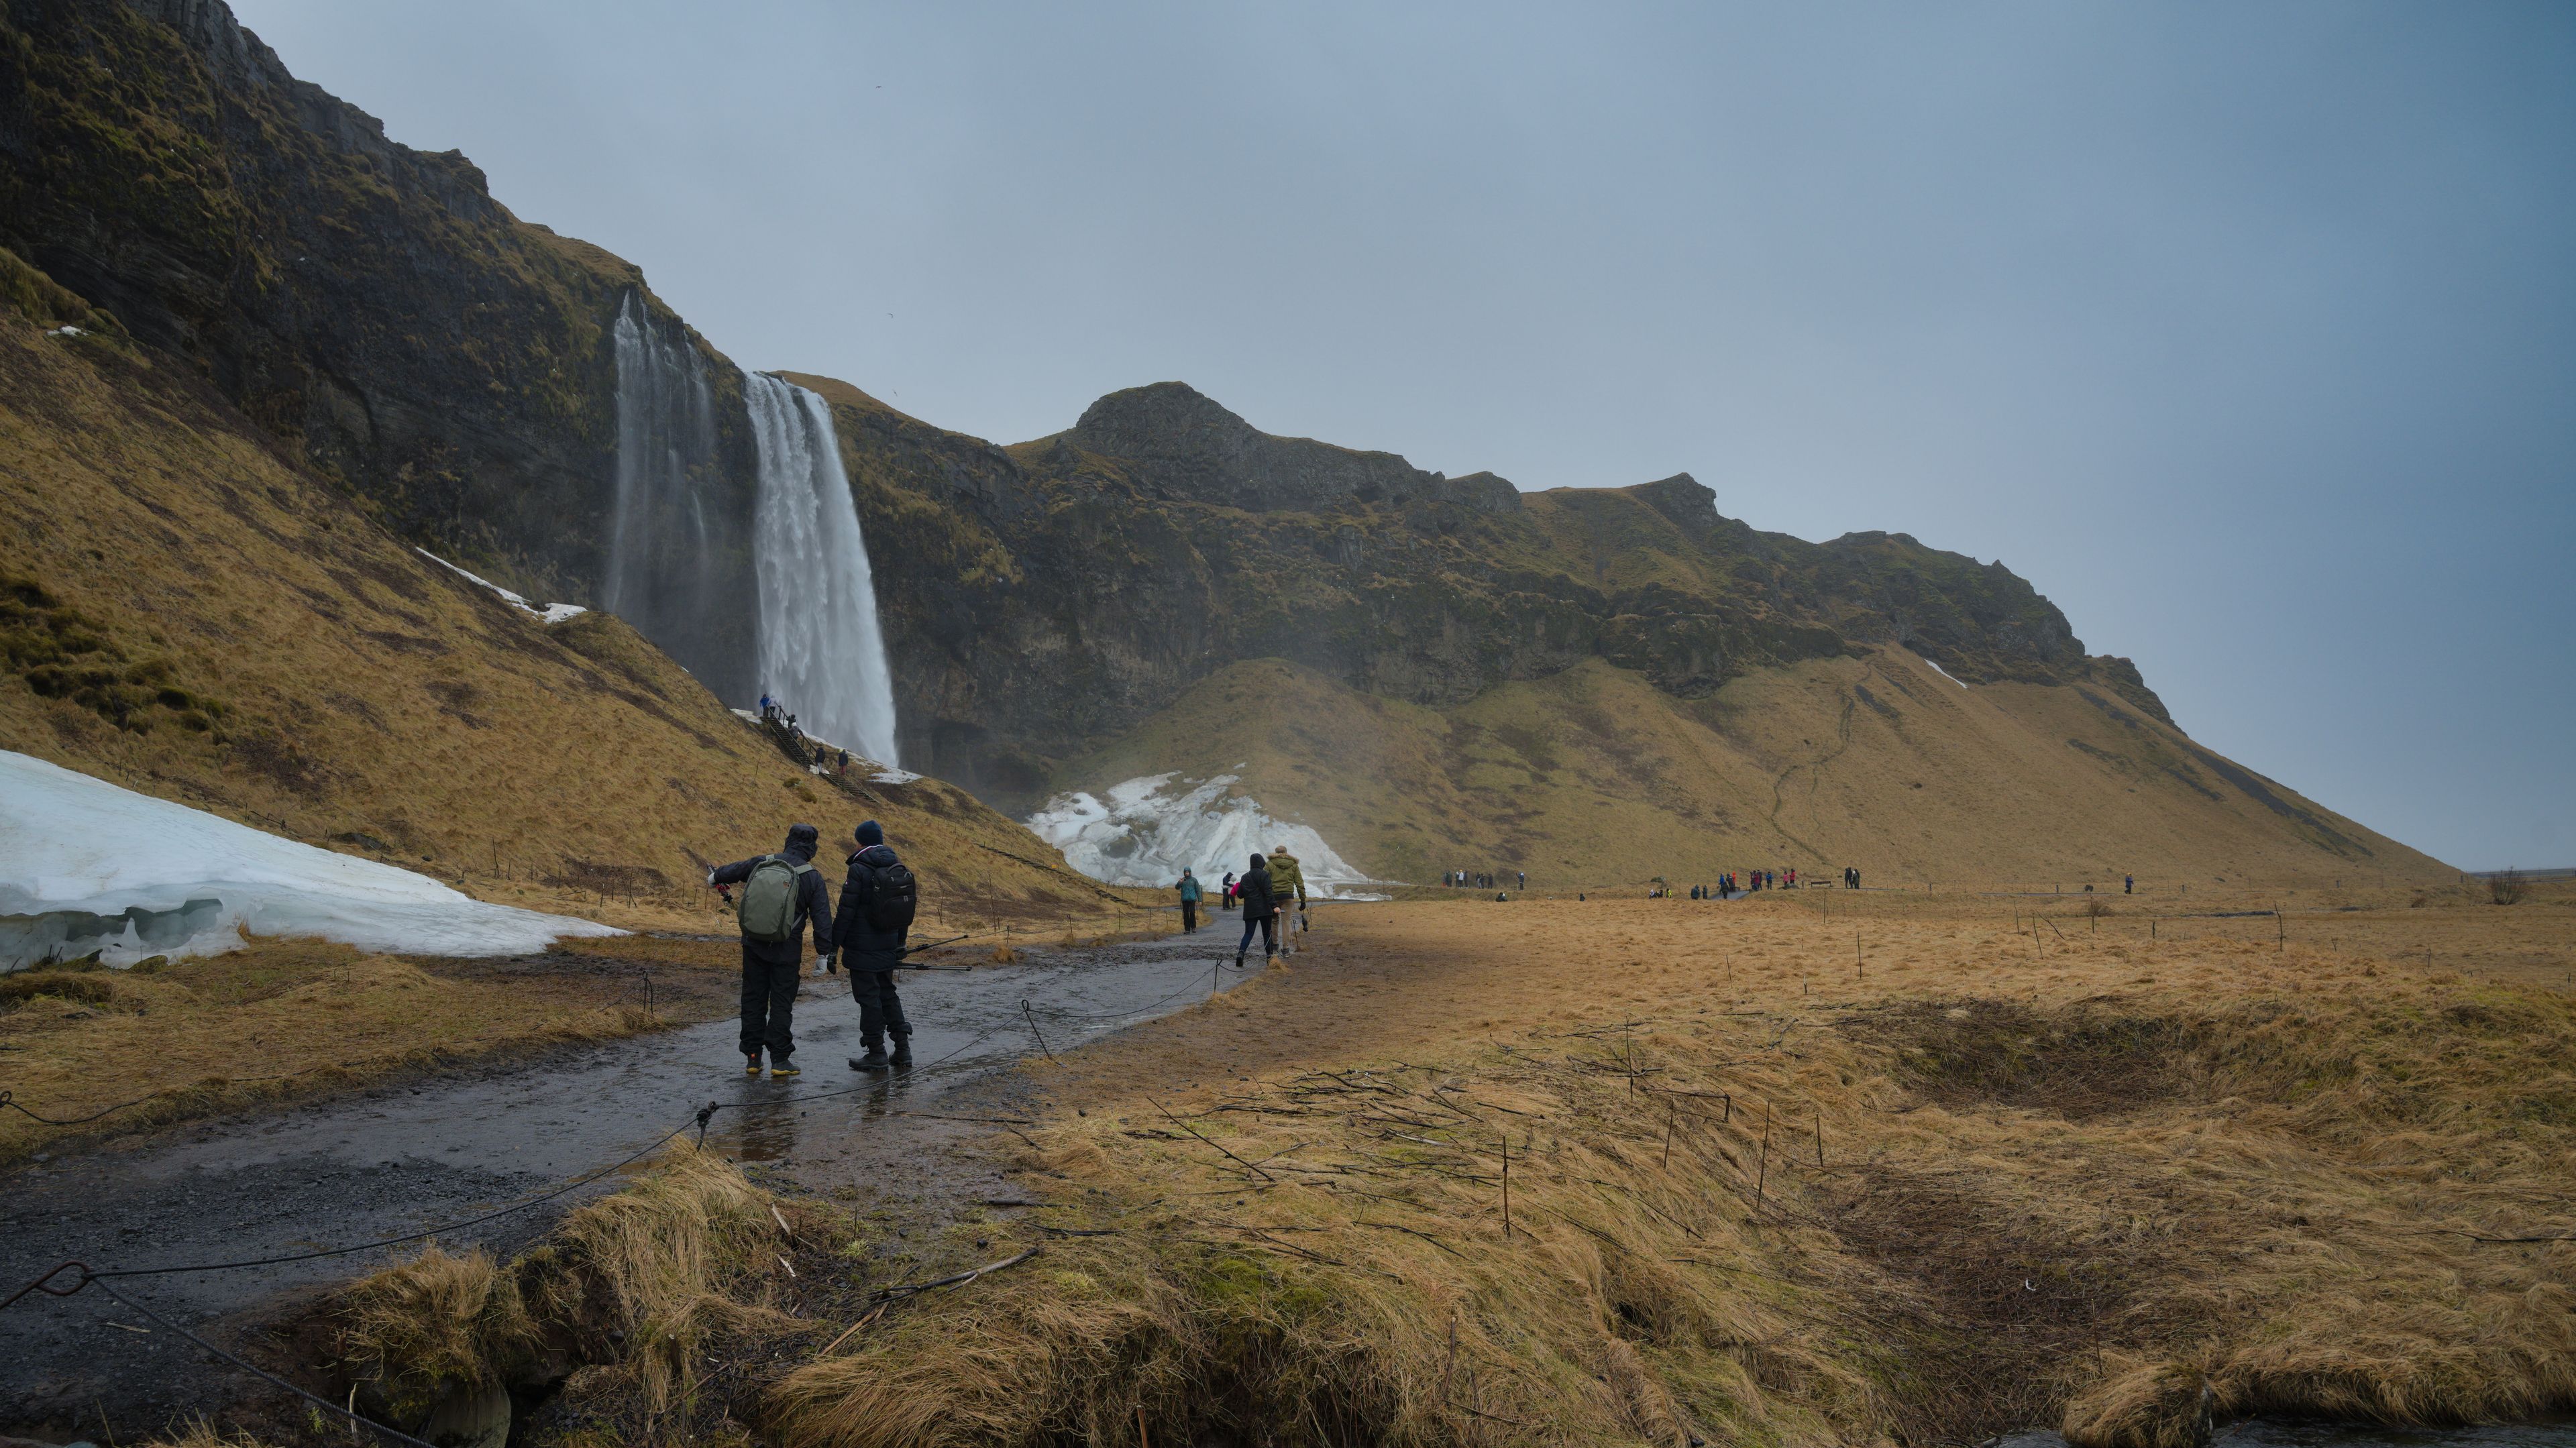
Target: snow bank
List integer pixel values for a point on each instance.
(85, 865)
(551, 613)
(1149, 828)
(1936, 668)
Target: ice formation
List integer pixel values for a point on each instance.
(550, 613)
(86, 866)
(1148, 828)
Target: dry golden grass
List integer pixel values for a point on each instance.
(227, 1031)
(631, 1284)
(1763, 1192)
(1592, 776)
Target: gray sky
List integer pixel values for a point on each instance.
(2246, 332)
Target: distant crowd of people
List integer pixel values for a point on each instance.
(1482, 880)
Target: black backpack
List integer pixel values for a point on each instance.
(893, 896)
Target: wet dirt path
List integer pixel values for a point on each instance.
(396, 1160)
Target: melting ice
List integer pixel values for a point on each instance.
(1149, 827)
(85, 865)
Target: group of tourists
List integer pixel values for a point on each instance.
(1731, 884)
(1271, 886)
(783, 895)
(1482, 880)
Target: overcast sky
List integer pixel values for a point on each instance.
(2246, 332)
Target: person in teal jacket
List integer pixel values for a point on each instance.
(1190, 894)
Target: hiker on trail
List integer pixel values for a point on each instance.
(1189, 888)
(1260, 911)
(768, 707)
(2128, 884)
(1524, 878)
(1694, 893)
(877, 905)
(1290, 882)
(845, 763)
(780, 894)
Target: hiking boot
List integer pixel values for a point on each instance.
(1238, 960)
(751, 1065)
(874, 1060)
(903, 1049)
(781, 1070)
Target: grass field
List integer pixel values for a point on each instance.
(1593, 776)
(1792, 1170)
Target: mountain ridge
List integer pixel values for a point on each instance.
(453, 373)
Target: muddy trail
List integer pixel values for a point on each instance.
(401, 1159)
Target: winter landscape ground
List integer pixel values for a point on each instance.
(391, 594)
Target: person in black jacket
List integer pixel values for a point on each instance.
(872, 955)
(1260, 911)
(770, 969)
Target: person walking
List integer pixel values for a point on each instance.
(1260, 911)
(878, 901)
(1288, 880)
(1226, 891)
(2128, 884)
(1189, 888)
(781, 895)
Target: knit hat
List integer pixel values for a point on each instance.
(870, 833)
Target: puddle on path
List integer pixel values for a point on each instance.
(397, 1160)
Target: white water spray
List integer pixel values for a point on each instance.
(821, 651)
(659, 575)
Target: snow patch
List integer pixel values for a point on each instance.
(1936, 668)
(1149, 827)
(86, 865)
(551, 613)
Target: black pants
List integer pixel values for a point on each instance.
(1189, 915)
(1268, 925)
(880, 1007)
(768, 1007)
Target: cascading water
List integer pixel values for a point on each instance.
(821, 650)
(662, 566)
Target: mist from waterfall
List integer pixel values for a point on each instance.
(821, 650)
(660, 575)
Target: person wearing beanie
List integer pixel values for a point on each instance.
(877, 905)
(781, 895)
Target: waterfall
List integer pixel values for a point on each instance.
(660, 573)
(821, 651)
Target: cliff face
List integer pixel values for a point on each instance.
(1042, 596)
(369, 306)
(457, 373)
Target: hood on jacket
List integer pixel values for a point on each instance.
(1259, 863)
(801, 840)
(876, 857)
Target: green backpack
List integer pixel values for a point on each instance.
(769, 900)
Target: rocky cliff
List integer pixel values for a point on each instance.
(369, 306)
(1047, 595)
(456, 372)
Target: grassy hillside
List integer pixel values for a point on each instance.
(189, 614)
(1876, 761)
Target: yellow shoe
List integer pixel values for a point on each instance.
(781, 1070)
(751, 1066)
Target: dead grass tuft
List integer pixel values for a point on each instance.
(2080, 1061)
